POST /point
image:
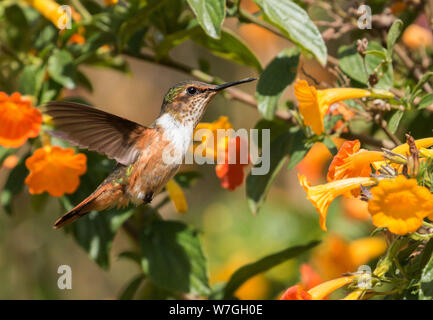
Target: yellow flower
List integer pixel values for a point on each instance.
(313, 104)
(322, 195)
(111, 2)
(426, 153)
(403, 149)
(335, 256)
(49, 9)
(55, 170)
(209, 141)
(400, 205)
(177, 196)
(354, 295)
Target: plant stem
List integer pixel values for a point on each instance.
(82, 10)
(386, 261)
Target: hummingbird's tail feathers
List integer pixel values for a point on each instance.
(105, 196)
(80, 210)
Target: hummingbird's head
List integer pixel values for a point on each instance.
(187, 101)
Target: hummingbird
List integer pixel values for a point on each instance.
(147, 157)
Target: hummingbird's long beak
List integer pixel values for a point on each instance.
(233, 83)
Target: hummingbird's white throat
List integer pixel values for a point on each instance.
(179, 134)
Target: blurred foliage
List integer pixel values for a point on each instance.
(42, 62)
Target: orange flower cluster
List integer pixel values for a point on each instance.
(336, 256)
(19, 120)
(55, 170)
(398, 204)
(231, 172)
(311, 287)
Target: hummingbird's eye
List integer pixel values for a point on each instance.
(192, 90)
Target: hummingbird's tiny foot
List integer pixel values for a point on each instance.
(148, 197)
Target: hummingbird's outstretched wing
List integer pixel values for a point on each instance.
(96, 130)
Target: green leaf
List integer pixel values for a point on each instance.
(250, 270)
(352, 65)
(295, 23)
(210, 15)
(379, 53)
(187, 178)
(229, 47)
(50, 90)
(330, 145)
(426, 288)
(5, 152)
(84, 81)
(173, 259)
(61, 68)
(280, 73)
(393, 34)
(31, 79)
(395, 121)
(95, 231)
(132, 287)
(257, 186)
(14, 185)
(426, 101)
(137, 19)
(418, 87)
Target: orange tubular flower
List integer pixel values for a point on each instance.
(48, 8)
(313, 104)
(323, 290)
(55, 170)
(355, 208)
(403, 149)
(209, 139)
(232, 174)
(318, 292)
(400, 205)
(296, 292)
(354, 295)
(19, 120)
(309, 279)
(351, 161)
(322, 195)
(335, 256)
(316, 159)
